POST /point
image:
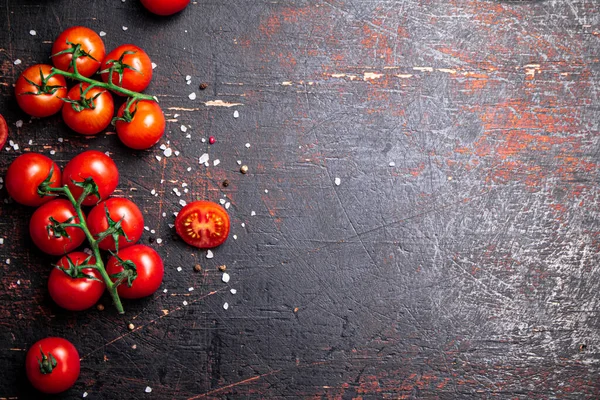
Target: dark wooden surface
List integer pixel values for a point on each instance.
(467, 269)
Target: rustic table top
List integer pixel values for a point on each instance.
(420, 218)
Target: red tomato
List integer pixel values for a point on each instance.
(44, 237)
(52, 365)
(26, 173)
(92, 119)
(149, 271)
(91, 164)
(118, 209)
(38, 95)
(91, 50)
(146, 127)
(165, 7)
(3, 131)
(75, 294)
(202, 224)
(136, 79)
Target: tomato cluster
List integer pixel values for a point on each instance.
(88, 107)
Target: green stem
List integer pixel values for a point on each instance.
(110, 286)
(110, 86)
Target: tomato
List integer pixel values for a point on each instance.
(91, 50)
(26, 173)
(75, 294)
(91, 164)
(45, 238)
(136, 79)
(149, 271)
(93, 118)
(165, 7)
(119, 209)
(38, 95)
(146, 127)
(52, 365)
(202, 224)
(3, 131)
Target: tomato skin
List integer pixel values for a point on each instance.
(91, 164)
(26, 173)
(3, 131)
(165, 7)
(137, 80)
(149, 267)
(42, 105)
(89, 121)
(66, 372)
(90, 42)
(61, 210)
(118, 207)
(202, 224)
(145, 129)
(75, 294)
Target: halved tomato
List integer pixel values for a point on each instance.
(202, 224)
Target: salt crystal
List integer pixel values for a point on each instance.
(179, 269)
(184, 184)
(163, 146)
(60, 140)
(243, 224)
(18, 281)
(247, 145)
(225, 277)
(227, 205)
(53, 152)
(191, 289)
(192, 96)
(164, 214)
(125, 28)
(266, 190)
(152, 231)
(185, 303)
(222, 201)
(165, 291)
(30, 142)
(154, 65)
(175, 115)
(239, 162)
(234, 237)
(189, 169)
(188, 77)
(182, 202)
(176, 153)
(203, 158)
(233, 291)
(183, 128)
(19, 123)
(392, 164)
(8, 260)
(168, 152)
(158, 158)
(209, 254)
(1, 240)
(206, 164)
(148, 389)
(16, 147)
(337, 181)
(153, 192)
(176, 191)
(32, 32)
(216, 162)
(159, 240)
(17, 62)
(226, 306)
(84, 395)
(147, 228)
(236, 114)
(253, 213)
(203, 140)
(102, 33)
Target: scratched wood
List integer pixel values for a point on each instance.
(457, 257)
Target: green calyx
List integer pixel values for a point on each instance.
(47, 363)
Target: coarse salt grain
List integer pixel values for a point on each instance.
(154, 65)
(234, 237)
(8, 261)
(243, 224)
(158, 158)
(19, 123)
(182, 202)
(32, 32)
(153, 192)
(60, 140)
(227, 205)
(152, 231)
(266, 190)
(192, 96)
(102, 33)
(163, 146)
(1, 240)
(236, 114)
(239, 162)
(165, 291)
(225, 277)
(185, 303)
(247, 145)
(168, 152)
(226, 306)
(147, 228)
(216, 162)
(392, 164)
(125, 28)
(84, 395)
(203, 158)
(176, 152)
(17, 62)
(159, 240)
(148, 389)
(337, 181)
(190, 289)
(209, 254)
(233, 291)
(183, 128)
(222, 201)
(178, 270)
(188, 77)
(253, 213)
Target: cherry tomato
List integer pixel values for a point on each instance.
(91, 164)
(79, 293)
(26, 173)
(45, 238)
(165, 7)
(93, 118)
(52, 365)
(91, 50)
(149, 271)
(136, 79)
(146, 127)
(38, 95)
(132, 222)
(3, 131)
(202, 224)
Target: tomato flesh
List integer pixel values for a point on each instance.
(202, 224)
